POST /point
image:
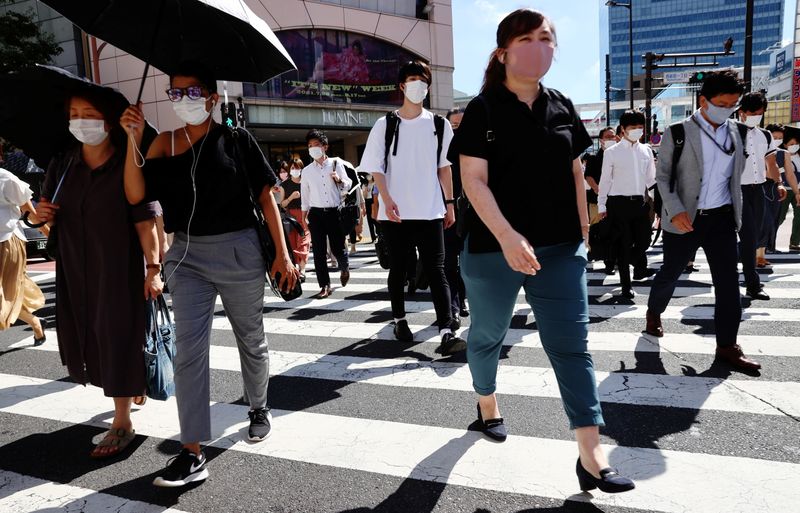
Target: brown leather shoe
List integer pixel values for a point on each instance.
(345, 277)
(325, 292)
(734, 356)
(654, 327)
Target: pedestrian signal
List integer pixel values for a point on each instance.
(229, 114)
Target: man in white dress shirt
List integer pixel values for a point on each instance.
(629, 169)
(322, 186)
(760, 171)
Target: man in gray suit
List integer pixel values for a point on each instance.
(702, 207)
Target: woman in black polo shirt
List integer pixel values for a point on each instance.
(520, 166)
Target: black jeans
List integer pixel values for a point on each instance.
(716, 234)
(630, 229)
(453, 244)
(428, 236)
(323, 223)
(750, 234)
(772, 207)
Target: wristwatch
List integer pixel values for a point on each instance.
(153, 266)
(450, 202)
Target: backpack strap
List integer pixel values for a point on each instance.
(743, 129)
(768, 135)
(392, 134)
(780, 159)
(438, 126)
(679, 137)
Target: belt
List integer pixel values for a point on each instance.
(753, 184)
(724, 209)
(631, 198)
(326, 209)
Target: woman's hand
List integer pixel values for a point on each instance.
(132, 121)
(153, 286)
(46, 211)
(289, 274)
(519, 253)
(295, 195)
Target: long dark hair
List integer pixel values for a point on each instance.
(518, 23)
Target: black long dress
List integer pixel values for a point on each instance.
(99, 274)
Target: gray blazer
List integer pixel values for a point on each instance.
(690, 173)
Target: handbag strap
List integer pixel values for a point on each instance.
(241, 167)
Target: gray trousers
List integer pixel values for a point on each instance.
(231, 265)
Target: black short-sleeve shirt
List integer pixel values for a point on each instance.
(594, 170)
(223, 201)
(530, 164)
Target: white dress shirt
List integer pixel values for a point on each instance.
(715, 189)
(318, 189)
(758, 148)
(13, 193)
(629, 169)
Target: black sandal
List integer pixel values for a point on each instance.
(39, 341)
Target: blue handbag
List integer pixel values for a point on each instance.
(159, 349)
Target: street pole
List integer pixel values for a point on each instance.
(630, 44)
(608, 90)
(748, 47)
(649, 60)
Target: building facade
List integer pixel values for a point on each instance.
(347, 52)
(680, 26)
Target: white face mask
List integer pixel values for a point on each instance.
(778, 142)
(295, 173)
(191, 112)
(608, 143)
(793, 148)
(416, 91)
(634, 135)
(316, 152)
(753, 121)
(88, 131)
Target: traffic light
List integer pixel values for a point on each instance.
(697, 77)
(655, 124)
(229, 114)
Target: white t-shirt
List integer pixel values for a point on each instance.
(413, 174)
(13, 193)
(758, 148)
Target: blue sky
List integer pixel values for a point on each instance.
(576, 71)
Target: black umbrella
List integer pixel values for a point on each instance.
(33, 113)
(224, 34)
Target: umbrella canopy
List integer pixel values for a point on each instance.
(226, 35)
(33, 112)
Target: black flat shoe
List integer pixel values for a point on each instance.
(610, 481)
(39, 341)
(493, 428)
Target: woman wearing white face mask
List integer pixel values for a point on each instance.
(289, 199)
(789, 161)
(99, 269)
(204, 179)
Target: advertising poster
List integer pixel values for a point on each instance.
(796, 91)
(336, 67)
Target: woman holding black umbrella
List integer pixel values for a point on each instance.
(102, 245)
(204, 179)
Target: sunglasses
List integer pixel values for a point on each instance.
(192, 92)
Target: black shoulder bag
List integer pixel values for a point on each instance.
(268, 247)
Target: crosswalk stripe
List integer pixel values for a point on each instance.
(595, 311)
(789, 267)
(699, 393)
(596, 291)
(445, 455)
(42, 277)
(22, 494)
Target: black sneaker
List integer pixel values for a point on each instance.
(643, 274)
(260, 424)
(402, 332)
(185, 468)
(451, 344)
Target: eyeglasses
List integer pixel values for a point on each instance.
(176, 93)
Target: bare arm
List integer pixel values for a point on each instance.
(133, 123)
(516, 249)
(392, 212)
(446, 181)
(148, 238)
(580, 194)
(592, 183)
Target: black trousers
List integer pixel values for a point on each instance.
(716, 234)
(772, 207)
(453, 244)
(370, 222)
(428, 237)
(630, 229)
(750, 234)
(323, 223)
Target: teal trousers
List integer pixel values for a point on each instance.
(558, 297)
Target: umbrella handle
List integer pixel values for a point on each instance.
(152, 49)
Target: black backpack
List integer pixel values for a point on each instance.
(392, 137)
(349, 210)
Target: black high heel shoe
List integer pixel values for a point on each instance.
(493, 428)
(610, 481)
(39, 341)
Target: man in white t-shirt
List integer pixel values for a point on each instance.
(407, 155)
(760, 172)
